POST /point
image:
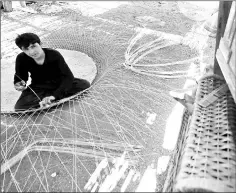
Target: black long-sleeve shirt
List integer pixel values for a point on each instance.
(54, 71)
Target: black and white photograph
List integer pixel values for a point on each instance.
(118, 96)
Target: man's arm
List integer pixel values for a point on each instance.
(21, 73)
(67, 77)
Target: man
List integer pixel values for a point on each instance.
(51, 78)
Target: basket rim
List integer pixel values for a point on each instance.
(203, 183)
(211, 76)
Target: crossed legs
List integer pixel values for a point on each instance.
(29, 100)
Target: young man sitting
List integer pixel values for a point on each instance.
(51, 78)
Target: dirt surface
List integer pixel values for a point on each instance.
(169, 17)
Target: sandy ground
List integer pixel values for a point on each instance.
(89, 8)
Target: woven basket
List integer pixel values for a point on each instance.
(207, 161)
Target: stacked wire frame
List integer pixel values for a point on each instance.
(208, 160)
(172, 168)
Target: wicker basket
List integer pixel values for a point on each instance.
(207, 160)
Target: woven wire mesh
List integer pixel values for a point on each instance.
(73, 136)
(208, 157)
(176, 154)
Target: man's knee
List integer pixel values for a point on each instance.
(86, 84)
(77, 86)
(25, 106)
(26, 101)
(81, 84)
(19, 106)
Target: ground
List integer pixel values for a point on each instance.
(169, 17)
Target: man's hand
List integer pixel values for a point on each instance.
(46, 101)
(20, 86)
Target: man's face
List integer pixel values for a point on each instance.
(34, 51)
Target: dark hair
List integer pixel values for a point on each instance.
(25, 39)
